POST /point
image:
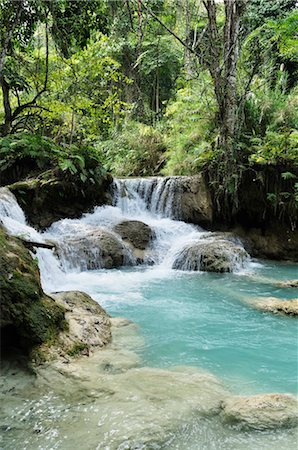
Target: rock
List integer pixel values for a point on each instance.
(261, 412)
(137, 233)
(288, 284)
(28, 316)
(278, 241)
(89, 325)
(196, 202)
(276, 305)
(95, 250)
(212, 254)
(52, 196)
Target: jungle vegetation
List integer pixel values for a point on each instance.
(168, 87)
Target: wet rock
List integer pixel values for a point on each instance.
(261, 412)
(52, 196)
(276, 305)
(137, 233)
(288, 284)
(196, 202)
(28, 316)
(278, 241)
(89, 325)
(212, 254)
(98, 249)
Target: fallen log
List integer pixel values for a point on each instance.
(31, 245)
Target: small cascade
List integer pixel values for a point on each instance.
(9, 207)
(96, 249)
(160, 196)
(13, 217)
(14, 221)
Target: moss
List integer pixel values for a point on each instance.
(77, 349)
(53, 195)
(35, 316)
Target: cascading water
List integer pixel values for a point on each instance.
(90, 242)
(186, 319)
(160, 196)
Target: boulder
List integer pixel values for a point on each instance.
(137, 233)
(98, 249)
(211, 254)
(137, 236)
(276, 305)
(28, 316)
(261, 412)
(89, 326)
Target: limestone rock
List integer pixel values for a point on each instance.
(89, 325)
(261, 412)
(276, 305)
(288, 284)
(99, 249)
(52, 196)
(137, 233)
(211, 254)
(276, 241)
(196, 202)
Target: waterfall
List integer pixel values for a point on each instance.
(9, 207)
(92, 242)
(160, 196)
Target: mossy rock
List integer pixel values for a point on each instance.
(53, 195)
(27, 314)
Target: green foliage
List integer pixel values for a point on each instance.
(137, 150)
(276, 148)
(43, 154)
(272, 124)
(260, 10)
(77, 349)
(189, 128)
(273, 47)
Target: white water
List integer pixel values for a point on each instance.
(148, 200)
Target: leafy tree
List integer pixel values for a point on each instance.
(70, 24)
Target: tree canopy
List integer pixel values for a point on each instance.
(156, 86)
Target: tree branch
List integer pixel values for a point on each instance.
(32, 103)
(190, 49)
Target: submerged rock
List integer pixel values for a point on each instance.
(261, 412)
(212, 254)
(288, 284)
(99, 249)
(276, 305)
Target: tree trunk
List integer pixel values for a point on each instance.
(228, 132)
(6, 126)
(222, 65)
